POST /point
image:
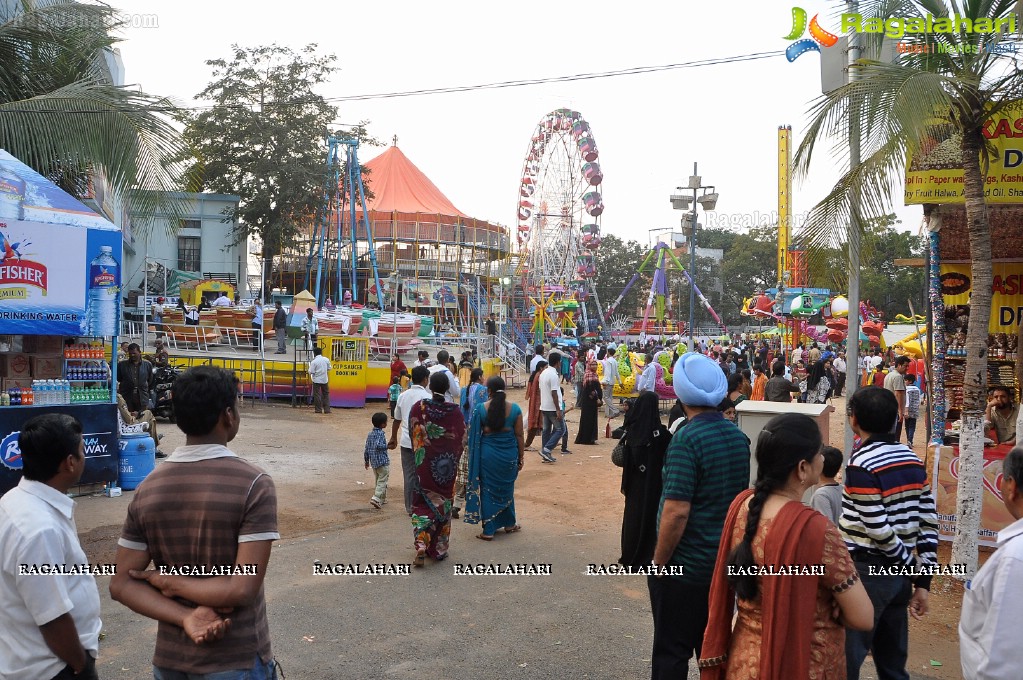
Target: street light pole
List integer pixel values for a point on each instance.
(692, 266)
(709, 200)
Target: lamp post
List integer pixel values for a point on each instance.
(680, 201)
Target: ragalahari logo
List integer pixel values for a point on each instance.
(820, 37)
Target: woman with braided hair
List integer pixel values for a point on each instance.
(786, 567)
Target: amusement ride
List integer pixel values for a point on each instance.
(559, 208)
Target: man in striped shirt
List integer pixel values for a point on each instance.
(888, 514)
(206, 519)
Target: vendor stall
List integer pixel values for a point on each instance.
(951, 291)
(193, 292)
(59, 318)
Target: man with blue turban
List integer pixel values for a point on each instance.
(706, 466)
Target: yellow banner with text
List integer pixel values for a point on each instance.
(1006, 292)
(936, 174)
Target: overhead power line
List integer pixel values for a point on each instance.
(526, 82)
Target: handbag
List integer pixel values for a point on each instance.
(618, 453)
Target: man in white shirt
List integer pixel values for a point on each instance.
(840, 369)
(417, 392)
(876, 360)
(989, 646)
(537, 358)
(158, 314)
(319, 373)
(648, 378)
(50, 622)
(454, 389)
(550, 407)
(223, 301)
(609, 380)
(422, 358)
(310, 328)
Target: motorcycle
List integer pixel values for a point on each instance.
(163, 405)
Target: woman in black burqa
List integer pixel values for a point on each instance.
(646, 442)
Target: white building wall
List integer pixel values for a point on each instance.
(201, 218)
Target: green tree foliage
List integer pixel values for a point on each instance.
(264, 140)
(60, 114)
(750, 265)
(888, 286)
(616, 262)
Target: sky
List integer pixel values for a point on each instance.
(649, 128)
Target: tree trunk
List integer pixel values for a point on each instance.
(969, 497)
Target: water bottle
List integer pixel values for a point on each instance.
(104, 290)
(67, 391)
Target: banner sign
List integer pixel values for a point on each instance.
(993, 516)
(1006, 292)
(372, 298)
(99, 434)
(60, 263)
(434, 293)
(936, 175)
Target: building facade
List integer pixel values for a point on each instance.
(202, 241)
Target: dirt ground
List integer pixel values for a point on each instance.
(323, 491)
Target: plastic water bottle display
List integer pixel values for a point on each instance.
(104, 293)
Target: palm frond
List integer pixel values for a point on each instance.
(89, 125)
(60, 114)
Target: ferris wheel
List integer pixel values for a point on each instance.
(559, 208)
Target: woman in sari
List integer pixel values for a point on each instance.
(437, 430)
(646, 440)
(535, 423)
(496, 452)
(786, 626)
(591, 400)
(474, 392)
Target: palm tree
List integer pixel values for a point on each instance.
(951, 90)
(61, 115)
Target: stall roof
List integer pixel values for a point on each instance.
(44, 201)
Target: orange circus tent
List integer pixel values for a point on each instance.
(403, 196)
(399, 186)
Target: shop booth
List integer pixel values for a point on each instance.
(194, 292)
(59, 318)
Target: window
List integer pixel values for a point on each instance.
(191, 224)
(189, 253)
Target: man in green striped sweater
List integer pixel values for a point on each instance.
(888, 514)
(706, 466)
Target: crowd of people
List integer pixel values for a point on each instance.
(754, 582)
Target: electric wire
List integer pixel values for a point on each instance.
(525, 82)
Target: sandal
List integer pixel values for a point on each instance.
(512, 530)
(484, 537)
(420, 559)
